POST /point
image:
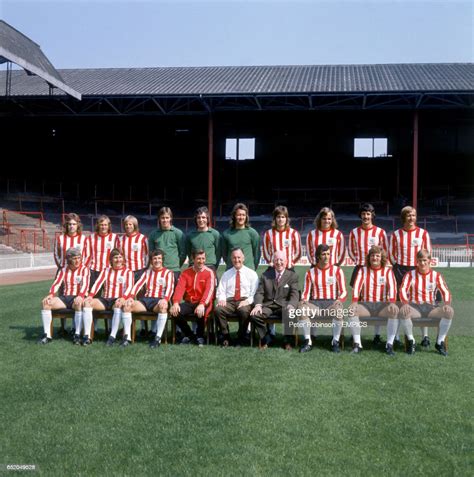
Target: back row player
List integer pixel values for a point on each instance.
(405, 242)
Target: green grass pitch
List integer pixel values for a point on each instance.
(180, 410)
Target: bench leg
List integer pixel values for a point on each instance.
(134, 329)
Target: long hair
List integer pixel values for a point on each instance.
(322, 213)
(376, 249)
(280, 210)
(239, 206)
(69, 218)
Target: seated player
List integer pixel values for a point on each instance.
(324, 289)
(159, 283)
(418, 294)
(74, 278)
(277, 290)
(116, 282)
(196, 287)
(235, 295)
(375, 293)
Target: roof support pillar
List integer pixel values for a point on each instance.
(210, 139)
(415, 161)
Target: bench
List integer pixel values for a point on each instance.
(146, 316)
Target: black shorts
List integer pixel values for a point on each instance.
(149, 303)
(374, 307)
(67, 300)
(108, 303)
(354, 275)
(424, 308)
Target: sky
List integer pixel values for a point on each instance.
(133, 33)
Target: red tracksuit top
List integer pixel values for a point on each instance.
(195, 287)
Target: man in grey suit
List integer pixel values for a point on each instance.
(277, 291)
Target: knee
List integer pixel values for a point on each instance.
(394, 312)
(162, 308)
(449, 313)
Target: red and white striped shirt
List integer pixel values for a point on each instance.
(420, 288)
(117, 283)
(98, 250)
(159, 284)
(288, 241)
(361, 240)
(76, 282)
(405, 244)
(63, 243)
(135, 250)
(375, 285)
(324, 284)
(331, 237)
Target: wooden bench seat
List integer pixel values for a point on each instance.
(65, 313)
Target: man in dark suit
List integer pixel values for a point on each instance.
(277, 291)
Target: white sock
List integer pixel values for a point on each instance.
(424, 331)
(397, 335)
(127, 325)
(87, 321)
(272, 329)
(355, 329)
(115, 322)
(47, 317)
(336, 330)
(306, 330)
(392, 327)
(444, 326)
(160, 324)
(78, 322)
(408, 326)
(249, 328)
(377, 329)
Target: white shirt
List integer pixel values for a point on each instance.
(248, 284)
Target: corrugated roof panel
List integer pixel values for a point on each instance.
(223, 80)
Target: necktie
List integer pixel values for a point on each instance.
(237, 286)
(278, 278)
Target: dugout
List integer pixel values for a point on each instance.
(162, 134)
